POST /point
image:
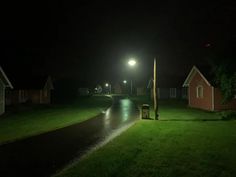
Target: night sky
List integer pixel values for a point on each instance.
(92, 41)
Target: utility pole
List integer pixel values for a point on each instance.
(155, 95)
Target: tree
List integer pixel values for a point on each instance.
(225, 79)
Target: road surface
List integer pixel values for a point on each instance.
(43, 155)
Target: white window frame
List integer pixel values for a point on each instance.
(172, 92)
(199, 95)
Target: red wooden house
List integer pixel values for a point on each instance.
(202, 93)
(35, 90)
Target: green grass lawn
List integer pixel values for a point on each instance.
(38, 119)
(177, 148)
(165, 149)
(177, 110)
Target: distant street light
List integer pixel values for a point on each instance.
(125, 81)
(109, 87)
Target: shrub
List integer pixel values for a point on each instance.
(228, 115)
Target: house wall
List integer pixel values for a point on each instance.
(206, 101)
(2, 97)
(34, 96)
(41, 96)
(218, 105)
(12, 97)
(46, 96)
(117, 89)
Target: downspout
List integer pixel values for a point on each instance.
(188, 95)
(212, 98)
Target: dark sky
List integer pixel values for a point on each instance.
(93, 40)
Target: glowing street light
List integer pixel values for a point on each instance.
(132, 62)
(125, 81)
(106, 85)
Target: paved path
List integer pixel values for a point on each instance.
(43, 155)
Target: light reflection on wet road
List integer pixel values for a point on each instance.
(43, 155)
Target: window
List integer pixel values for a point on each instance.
(199, 91)
(172, 92)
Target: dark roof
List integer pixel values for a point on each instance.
(29, 82)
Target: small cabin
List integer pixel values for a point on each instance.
(202, 93)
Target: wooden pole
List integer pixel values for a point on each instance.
(155, 95)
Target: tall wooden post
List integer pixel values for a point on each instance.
(155, 95)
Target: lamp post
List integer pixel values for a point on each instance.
(131, 63)
(125, 83)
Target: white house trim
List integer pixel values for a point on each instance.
(49, 84)
(5, 77)
(193, 71)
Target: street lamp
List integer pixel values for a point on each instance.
(125, 81)
(131, 63)
(108, 86)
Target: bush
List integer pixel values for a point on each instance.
(228, 115)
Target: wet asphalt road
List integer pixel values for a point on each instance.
(43, 155)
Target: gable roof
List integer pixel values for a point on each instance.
(31, 82)
(205, 73)
(4, 79)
